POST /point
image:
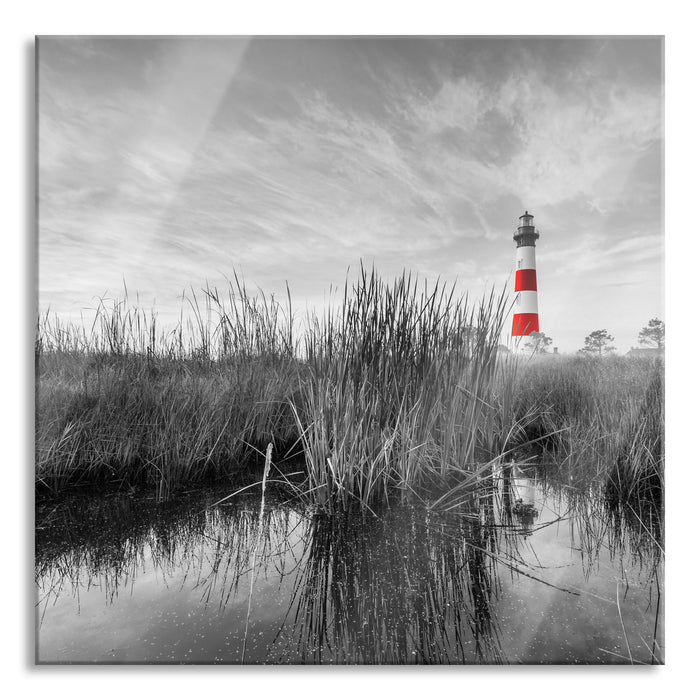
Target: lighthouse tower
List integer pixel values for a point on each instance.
(525, 317)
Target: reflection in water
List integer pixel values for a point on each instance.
(518, 489)
(406, 588)
(528, 571)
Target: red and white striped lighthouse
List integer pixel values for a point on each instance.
(525, 316)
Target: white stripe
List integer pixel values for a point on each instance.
(525, 303)
(525, 257)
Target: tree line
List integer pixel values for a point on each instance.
(600, 342)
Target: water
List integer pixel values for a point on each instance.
(529, 573)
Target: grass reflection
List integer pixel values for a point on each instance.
(414, 585)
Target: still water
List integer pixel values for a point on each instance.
(519, 572)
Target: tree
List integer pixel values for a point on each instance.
(538, 342)
(654, 333)
(598, 342)
(463, 338)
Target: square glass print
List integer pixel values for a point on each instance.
(350, 351)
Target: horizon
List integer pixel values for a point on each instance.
(296, 158)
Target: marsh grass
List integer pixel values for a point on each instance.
(397, 391)
(394, 387)
(123, 401)
(600, 421)
(401, 390)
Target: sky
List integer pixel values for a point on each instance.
(169, 163)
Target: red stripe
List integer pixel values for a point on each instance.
(524, 324)
(525, 280)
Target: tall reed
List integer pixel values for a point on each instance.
(400, 392)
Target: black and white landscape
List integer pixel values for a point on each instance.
(281, 415)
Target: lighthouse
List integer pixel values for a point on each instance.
(525, 316)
